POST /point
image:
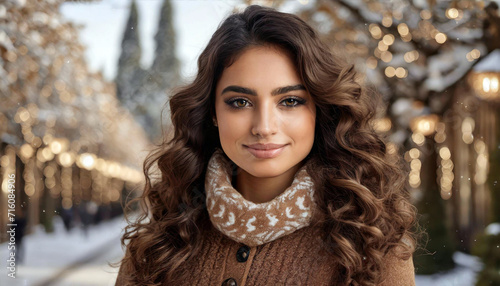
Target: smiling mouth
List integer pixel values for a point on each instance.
(267, 151)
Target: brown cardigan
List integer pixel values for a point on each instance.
(295, 259)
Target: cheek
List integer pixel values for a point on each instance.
(302, 126)
(232, 125)
(226, 132)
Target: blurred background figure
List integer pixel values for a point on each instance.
(20, 223)
(67, 217)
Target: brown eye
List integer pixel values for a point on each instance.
(293, 101)
(290, 102)
(238, 103)
(241, 103)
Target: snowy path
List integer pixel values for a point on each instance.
(96, 272)
(56, 254)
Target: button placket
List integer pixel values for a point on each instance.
(229, 282)
(243, 253)
(238, 264)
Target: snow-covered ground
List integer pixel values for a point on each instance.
(58, 254)
(72, 259)
(464, 274)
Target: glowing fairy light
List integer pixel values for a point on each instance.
(87, 160)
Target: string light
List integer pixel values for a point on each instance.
(411, 56)
(382, 46)
(418, 138)
(86, 161)
(387, 20)
(440, 136)
(440, 38)
(486, 85)
(388, 39)
(482, 162)
(452, 13)
(425, 124)
(29, 177)
(445, 172)
(401, 72)
(375, 31)
(386, 56)
(415, 167)
(382, 124)
(467, 129)
(403, 30)
(8, 163)
(425, 14)
(371, 63)
(26, 151)
(390, 71)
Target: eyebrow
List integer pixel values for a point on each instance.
(276, 91)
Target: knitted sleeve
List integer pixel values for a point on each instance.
(397, 271)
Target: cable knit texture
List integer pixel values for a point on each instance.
(250, 223)
(295, 259)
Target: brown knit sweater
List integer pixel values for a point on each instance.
(295, 259)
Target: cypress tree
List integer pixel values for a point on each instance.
(165, 63)
(129, 61)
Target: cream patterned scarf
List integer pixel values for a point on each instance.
(255, 224)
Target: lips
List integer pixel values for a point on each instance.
(265, 151)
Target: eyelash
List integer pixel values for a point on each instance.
(298, 100)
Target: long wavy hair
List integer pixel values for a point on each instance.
(361, 191)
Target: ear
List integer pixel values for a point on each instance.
(214, 121)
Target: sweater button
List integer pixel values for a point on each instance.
(243, 253)
(229, 282)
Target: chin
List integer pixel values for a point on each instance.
(267, 169)
(266, 173)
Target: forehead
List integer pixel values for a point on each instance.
(264, 66)
(262, 49)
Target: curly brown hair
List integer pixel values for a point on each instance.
(361, 190)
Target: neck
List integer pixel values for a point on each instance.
(260, 190)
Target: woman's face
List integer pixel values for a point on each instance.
(265, 116)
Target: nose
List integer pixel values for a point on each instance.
(265, 121)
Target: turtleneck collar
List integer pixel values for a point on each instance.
(255, 224)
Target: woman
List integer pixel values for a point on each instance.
(273, 175)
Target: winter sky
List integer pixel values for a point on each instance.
(194, 21)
